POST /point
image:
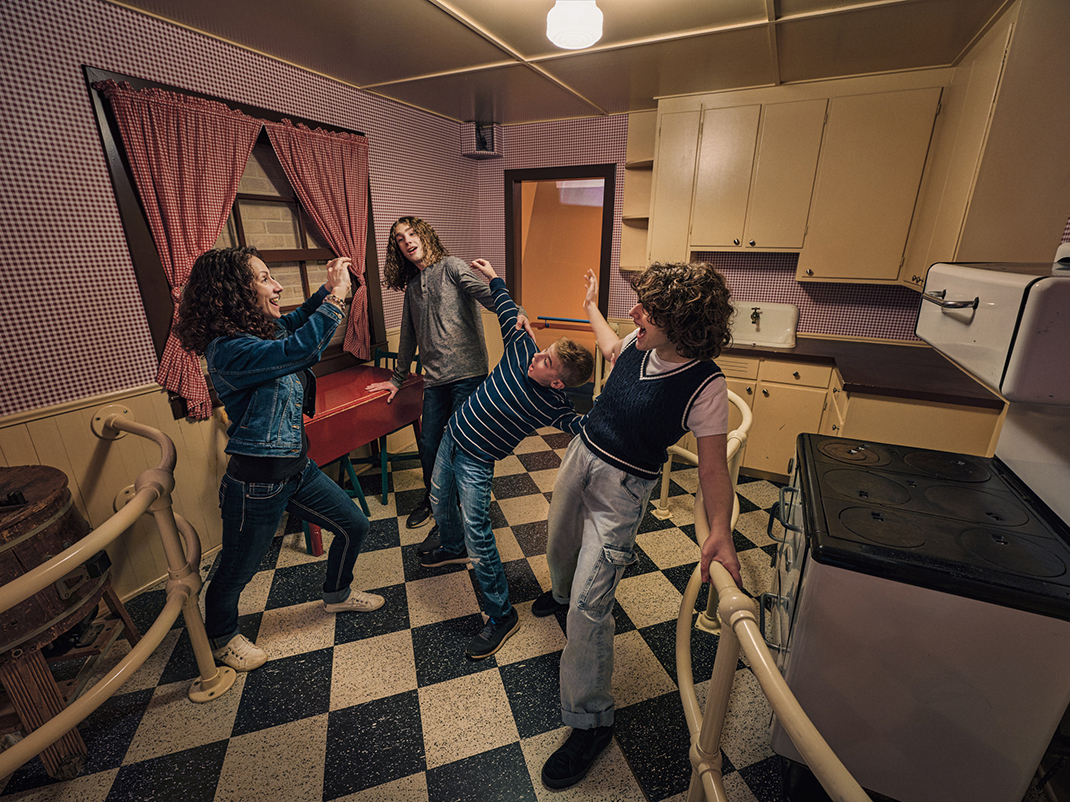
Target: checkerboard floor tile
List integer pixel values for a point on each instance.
(385, 706)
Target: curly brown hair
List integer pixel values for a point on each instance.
(690, 303)
(219, 300)
(398, 271)
(574, 362)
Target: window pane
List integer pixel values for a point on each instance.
(228, 238)
(317, 274)
(263, 174)
(269, 226)
(288, 274)
(312, 232)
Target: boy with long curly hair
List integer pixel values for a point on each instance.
(664, 383)
(440, 316)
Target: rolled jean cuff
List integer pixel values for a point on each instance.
(587, 721)
(337, 596)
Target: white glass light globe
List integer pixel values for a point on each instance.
(574, 24)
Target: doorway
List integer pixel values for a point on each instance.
(559, 224)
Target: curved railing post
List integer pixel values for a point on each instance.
(182, 547)
(738, 615)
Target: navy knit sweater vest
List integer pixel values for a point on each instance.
(638, 416)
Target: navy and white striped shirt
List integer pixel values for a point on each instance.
(509, 406)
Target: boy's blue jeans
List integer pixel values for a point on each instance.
(594, 516)
(251, 514)
(440, 403)
(458, 474)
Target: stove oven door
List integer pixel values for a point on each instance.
(778, 607)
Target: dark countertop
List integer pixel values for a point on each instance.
(899, 371)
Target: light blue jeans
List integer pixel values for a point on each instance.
(456, 475)
(594, 515)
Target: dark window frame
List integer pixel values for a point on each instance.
(152, 283)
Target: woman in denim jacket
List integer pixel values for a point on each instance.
(259, 361)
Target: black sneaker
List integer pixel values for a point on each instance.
(546, 605)
(439, 556)
(570, 764)
(496, 632)
(420, 516)
(431, 542)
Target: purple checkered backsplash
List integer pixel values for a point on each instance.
(70, 313)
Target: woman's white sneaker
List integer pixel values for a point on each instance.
(358, 602)
(241, 654)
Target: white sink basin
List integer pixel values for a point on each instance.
(765, 325)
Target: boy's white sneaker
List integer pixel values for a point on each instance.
(241, 654)
(358, 602)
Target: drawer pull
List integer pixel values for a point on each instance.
(937, 297)
(765, 393)
(795, 373)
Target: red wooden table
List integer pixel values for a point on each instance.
(348, 416)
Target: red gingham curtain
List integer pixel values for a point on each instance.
(329, 172)
(187, 156)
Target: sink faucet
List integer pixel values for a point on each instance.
(755, 315)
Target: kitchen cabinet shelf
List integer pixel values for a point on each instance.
(642, 164)
(635, 220)
(638, 174)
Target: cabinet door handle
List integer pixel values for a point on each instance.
(751, 243)
(795, 373)
(750, 390)
(835, 427)
(809, 272)
(835, 390)
(765, 393)
(735, 242)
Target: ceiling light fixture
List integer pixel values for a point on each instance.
(574, 24)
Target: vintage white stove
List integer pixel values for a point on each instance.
(922, 612)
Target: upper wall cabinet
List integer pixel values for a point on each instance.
(755, 175)
(674, 183)
(867, 185)
(999, 183)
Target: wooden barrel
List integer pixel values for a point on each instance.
(38, 521)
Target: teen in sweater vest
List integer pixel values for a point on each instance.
(664, 383)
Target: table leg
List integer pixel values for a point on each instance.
(36, 699)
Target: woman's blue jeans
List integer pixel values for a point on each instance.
(251, 515)
(458, 474)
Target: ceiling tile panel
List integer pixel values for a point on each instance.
(632, 78)
(514, 94)
(523, 24)
(880, 38)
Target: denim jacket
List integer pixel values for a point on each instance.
(258, 384)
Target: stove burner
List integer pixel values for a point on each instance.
(1012, 553)
(947, 466)
(865, 486)
(852, 452)
(883, 526)
(976, 506)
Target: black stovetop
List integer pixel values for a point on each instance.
(950, 522)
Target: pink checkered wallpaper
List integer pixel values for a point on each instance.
(71, 322)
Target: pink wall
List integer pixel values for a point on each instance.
(71, 323)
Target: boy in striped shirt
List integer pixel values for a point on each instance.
(522, 393)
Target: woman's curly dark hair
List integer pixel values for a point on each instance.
(690, 303)
(219, 300)
(398, 270)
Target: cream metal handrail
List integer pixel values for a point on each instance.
(738, 611)
(736, 440)
(182, 547)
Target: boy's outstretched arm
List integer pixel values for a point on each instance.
(485, 268)
(607, 339)
(717, 492)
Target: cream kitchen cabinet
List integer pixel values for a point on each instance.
(786, 399)
(868, 178)
(1000, 167)
(919, 423)
(638, 171)
(673, 185)
(755, 175)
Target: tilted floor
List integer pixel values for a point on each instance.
(385, 706)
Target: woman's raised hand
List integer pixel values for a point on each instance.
(338, 280)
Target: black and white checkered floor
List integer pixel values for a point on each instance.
(385, 706)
